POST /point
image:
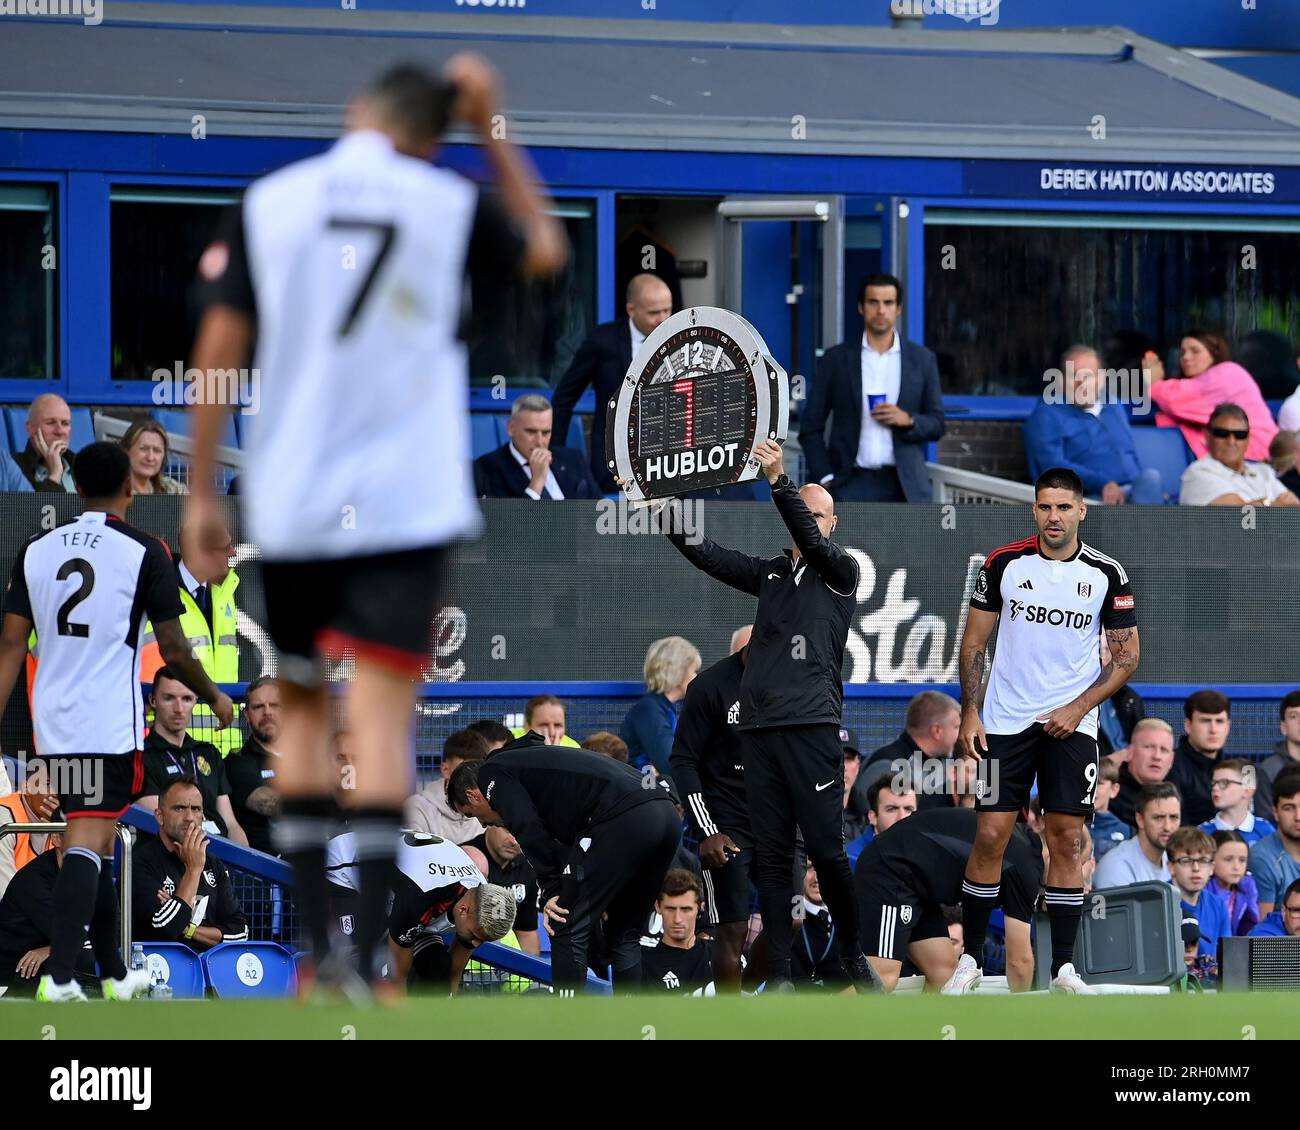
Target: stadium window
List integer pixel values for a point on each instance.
(28, 277)
(528, 331)
(157, 237)
(1005, 292)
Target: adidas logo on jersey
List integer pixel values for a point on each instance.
(1026, 584)
(733, 714)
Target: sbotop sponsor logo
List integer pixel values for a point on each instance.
(86, 1084)
(986, 11)
(179, 386)
(90, 12)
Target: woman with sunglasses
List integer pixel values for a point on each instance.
(1209, 378)
(1223, 477)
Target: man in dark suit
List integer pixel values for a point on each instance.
(603, 360)
(882, 396)
(526, 467)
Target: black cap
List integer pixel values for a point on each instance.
(848, 741)
(1191, 932)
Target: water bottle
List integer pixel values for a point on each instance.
(158, 988)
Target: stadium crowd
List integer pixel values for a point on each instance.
(1222, 828)
(875, 403)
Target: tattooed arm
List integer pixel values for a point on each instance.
(970, 662)
(1124, 652)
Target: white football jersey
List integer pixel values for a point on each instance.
(426, 864)
(1052, 614)
(89, 586)
(353, 265)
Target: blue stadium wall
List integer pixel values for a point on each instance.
(84, 167)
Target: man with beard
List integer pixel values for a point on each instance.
(251, 772)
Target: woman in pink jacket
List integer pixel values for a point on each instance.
(1209, 379)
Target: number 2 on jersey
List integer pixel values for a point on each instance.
(86, 571)
(386, 234)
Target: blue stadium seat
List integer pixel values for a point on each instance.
(485, 435)
(179, 423)
(178, 967)
(1166, 451)
(16, 426)
(83, 428)
(576, 438)
(242, 970)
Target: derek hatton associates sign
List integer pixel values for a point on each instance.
(1067, 180)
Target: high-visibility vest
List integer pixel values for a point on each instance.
(520, 731)
(509, 983)
(16, 813)
(218, 654)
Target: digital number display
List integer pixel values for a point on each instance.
(693, 411)
(701, 392)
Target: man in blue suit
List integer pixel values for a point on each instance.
(603, 360)
(527, 466)
(1091, 436)
(882, 397)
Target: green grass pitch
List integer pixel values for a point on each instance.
(1263, 1016)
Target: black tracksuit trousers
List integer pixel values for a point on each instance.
(618, 873)
(794, 776)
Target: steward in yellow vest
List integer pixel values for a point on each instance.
(207, 589)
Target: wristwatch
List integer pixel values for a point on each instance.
(189, 930)
(782, 481)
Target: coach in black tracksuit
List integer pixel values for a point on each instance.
(599, 835)
(791, 696)
(709, 773)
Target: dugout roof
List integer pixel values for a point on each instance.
(654, 84)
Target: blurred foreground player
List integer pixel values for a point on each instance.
(1050, 597)
(87, 587)
(349, 269)
(600, 836)
(791, 698)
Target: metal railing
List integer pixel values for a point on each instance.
(124, 837)
(229, 460)
(953, 484)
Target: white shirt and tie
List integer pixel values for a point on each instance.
(882, 375)
(195, 588)
(552, 484)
